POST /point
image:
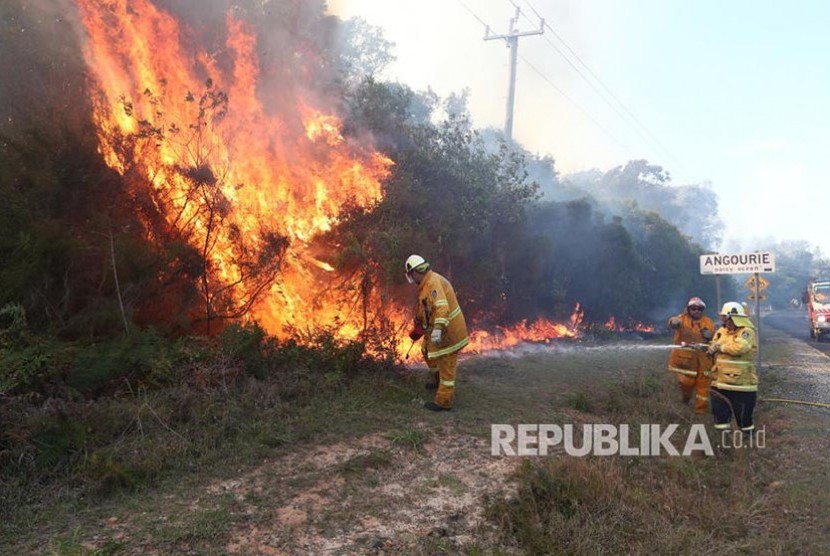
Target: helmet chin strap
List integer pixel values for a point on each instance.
(409, 278)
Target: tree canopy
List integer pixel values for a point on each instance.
(82, 251)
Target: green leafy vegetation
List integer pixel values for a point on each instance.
(132, 410)
(411, 438)
(126, 361)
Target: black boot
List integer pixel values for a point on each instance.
(432, 406)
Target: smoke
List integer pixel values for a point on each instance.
(41, 65)
(567, 253)
(44, 72)
(291, 42)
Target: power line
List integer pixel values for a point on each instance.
(588, 81)
(576, 104)
(551, 83)
(596, 78)
(475, 15)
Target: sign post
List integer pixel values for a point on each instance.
(743, 263)
(756, 283)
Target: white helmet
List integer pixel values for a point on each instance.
(696, 302)
(733, 309)
(415, 263)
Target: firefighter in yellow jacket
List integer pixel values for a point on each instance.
(734, 378)
(445, 331)
(692, 367)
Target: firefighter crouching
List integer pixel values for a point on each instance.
(443, 326)
(734, 378)
(692, 367)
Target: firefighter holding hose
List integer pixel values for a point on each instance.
(692, 366)
(735, 379)
(441, 323)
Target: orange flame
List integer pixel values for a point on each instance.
(539, 331)
(611, 324)
(191, 121)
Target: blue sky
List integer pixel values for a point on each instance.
(731, 93)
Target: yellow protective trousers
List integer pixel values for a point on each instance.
(447, 365)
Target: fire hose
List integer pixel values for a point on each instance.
(705, 347)
(783, 400)
(410, 349)
(696, 347)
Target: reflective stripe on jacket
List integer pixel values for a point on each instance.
(687, 361)
(735, 361)
(438, 308)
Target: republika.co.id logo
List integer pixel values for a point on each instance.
(616, 440)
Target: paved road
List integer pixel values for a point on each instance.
(795, 324)
(805, 373)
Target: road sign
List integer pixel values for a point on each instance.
(742, 263)
(761, 297)
(762, 283)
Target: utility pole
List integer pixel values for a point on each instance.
(512, 40)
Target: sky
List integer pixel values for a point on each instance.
(733, 94)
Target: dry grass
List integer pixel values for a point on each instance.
(767, 500)
(595, 505)
(361, 468)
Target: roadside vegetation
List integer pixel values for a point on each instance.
(131, 374)
(88, 422)
(250, 464)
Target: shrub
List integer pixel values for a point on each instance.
(26, 360)
(144, 356)
(150, 405)
(248, 346)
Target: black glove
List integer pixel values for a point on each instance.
(674, 322)
(706, 333)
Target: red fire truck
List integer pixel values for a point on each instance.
(817, 300)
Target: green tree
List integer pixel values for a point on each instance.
(692, 208)
(363, 50)
(448, 198)
(671, 271)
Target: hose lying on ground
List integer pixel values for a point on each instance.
(782, 400)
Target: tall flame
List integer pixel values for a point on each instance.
(212, 152)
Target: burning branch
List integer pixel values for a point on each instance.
(225, 187)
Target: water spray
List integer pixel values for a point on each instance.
(662, 347)
(646, 347)
(528, 348)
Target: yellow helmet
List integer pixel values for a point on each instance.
(732, 309)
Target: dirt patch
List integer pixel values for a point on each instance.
(372, 495)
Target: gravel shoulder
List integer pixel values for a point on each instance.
(796, 369)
